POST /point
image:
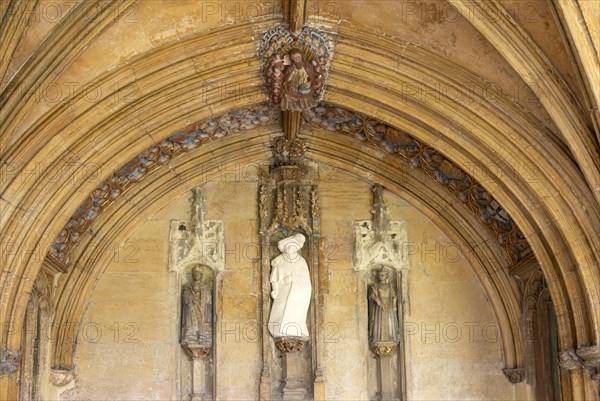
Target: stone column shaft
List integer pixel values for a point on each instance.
(386, 378)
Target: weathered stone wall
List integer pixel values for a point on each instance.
(128, 346)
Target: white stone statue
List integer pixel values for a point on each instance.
(290, 290)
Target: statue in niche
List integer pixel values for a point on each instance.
(295, 83)
(196, 308)
(383, 309)
(290, 289)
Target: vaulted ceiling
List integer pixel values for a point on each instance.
(506, 92)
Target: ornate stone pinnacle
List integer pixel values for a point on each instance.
(380, 217)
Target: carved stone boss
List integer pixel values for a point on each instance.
(289, 218)
(295, 68)
(197, 253)
(379, 254)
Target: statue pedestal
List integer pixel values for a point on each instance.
(385, 370)
(291, 348)
(201, 387)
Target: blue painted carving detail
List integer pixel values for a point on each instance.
(150, 159)
(317, 50)
(423, 157)
(389, 139)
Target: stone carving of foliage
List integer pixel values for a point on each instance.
(153, 157)
(420, 156)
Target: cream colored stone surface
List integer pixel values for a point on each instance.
(534, 17)
(438, 26)
(129, 348)
(168, 50)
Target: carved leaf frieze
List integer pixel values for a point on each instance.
(423, 157)
(391, 140)
(152, 158)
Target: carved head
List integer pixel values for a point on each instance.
(383, 273)
(291, 244)
(296, 56)
(197, 273)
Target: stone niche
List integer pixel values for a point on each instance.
(381, 262)
(196, 255)
(289, 208)
(129, 346)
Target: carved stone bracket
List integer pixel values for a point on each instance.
(9, 361)
(290, 344)
(61, 378)
(201, 368)
(514, 375)
(591, 360)
(383, 349)
(386, 373)
(196, 240)
(295, 387)
(61, 381)
(197, 351)
(585, 358)
(568, 359)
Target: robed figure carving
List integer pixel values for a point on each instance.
(290, 289)
(295, 83)
(383, 310)
(196, 308)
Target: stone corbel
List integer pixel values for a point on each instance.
(60, 381)
(514, 375)
(568, 359)
(587, 358)
(61, 378)
(9, 361)
(590, 357)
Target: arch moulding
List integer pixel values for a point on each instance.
(495, 137)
